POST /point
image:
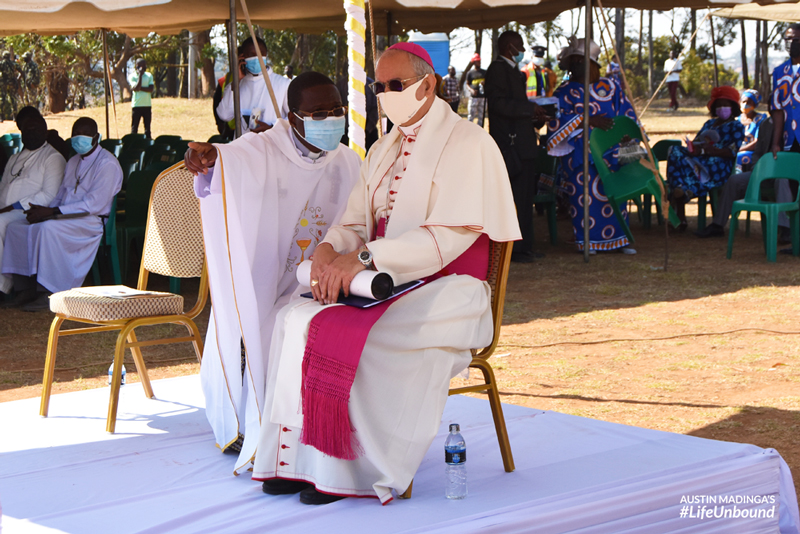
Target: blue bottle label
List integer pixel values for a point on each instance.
(455, 457)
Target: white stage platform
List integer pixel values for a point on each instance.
(161, 473)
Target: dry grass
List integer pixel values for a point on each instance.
(191, 119)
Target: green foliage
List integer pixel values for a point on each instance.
(698, 76)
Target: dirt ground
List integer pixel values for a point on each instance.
(709, 347)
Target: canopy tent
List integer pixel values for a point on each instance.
(138, 18)
(776, 12)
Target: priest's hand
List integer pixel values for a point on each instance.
(262, 127)
(199, 157)
(38, 213)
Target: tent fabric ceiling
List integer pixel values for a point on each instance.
(779, 12)
(307, 17)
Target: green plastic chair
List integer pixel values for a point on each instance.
(660, 152)
(631, 181)
(108, 247)
(112, 145)
(702, 203)
(180, 148)
(160, 154)
(218, 139)
(129, 164)
(131, 228)
(127, 140)
(6, 137)
(9, 147)
(167, 139)
(768, 168)
(17, 138)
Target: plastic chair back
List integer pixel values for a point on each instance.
(602, 140)
(127, 140)
(768, 168)
(167, 139)
(159, 154)
(137, 197)
(112, 145)
(661, 149)
(218, 139)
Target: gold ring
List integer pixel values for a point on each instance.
(314, 282)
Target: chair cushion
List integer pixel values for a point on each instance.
(79, 305)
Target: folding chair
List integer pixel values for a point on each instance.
(173, 247)
(499, 261)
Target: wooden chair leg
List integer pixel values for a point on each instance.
(407, 493)
(497, 414)
(116, 379)
(50, 365)
(141, 368)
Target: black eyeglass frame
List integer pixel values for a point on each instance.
(322, 114)
(380, 87)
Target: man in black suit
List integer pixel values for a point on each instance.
(512, 123)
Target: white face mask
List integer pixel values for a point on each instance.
(401, 106)
(538, 61)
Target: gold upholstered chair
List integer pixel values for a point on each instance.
(173, 246)
(497, 277)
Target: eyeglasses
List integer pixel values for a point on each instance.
(322, 115)
(395, 85)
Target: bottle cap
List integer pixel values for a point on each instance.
(454, 428)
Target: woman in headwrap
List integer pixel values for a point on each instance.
(708, 160)
(751, 120)
(565, 139)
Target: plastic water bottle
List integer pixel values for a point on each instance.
(455, 457)
(111, 374)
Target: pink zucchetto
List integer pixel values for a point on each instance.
(413, 49)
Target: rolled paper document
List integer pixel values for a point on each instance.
(367, 284)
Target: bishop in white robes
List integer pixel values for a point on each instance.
(253, 92)
(31, 176)
(59, 240)
(266, 204)
(431, 190)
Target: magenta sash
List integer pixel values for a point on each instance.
(336, 338)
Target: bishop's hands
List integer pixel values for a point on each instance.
(332, 272)
(200, 157)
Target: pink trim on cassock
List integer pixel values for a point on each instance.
(336, 339)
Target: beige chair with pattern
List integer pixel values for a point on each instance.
(173, 246)
(497, 277)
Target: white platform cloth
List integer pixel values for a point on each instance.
(162, 473)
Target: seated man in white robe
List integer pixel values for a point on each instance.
(269, 202)
(31, 176)
(433, 192)
(253, 93)
(55, 247)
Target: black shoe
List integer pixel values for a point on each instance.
(20, 299)
(312, 496)
(41, 303)
(787, 251)
(712, 230)
(280, 486)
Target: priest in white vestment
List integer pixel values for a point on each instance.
(55, 247)
(31, 176)
(253, 93)
(430, 190)
(266, 205)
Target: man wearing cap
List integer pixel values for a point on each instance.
(512, 122)
(421, 210)
(450, 86)
(536, 85)
(475, 77)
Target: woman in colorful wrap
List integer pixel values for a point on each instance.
(751, 120)
(565, 139)
(708, 160)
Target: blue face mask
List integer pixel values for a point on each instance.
(82, 144)
(325, 134)
(251, 63)
(519, 57)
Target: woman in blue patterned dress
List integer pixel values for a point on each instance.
(708, 161)
(565, 139)
(751, 120)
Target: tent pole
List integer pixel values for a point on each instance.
(714, 51)
(233, 61)
(107, 81)
(388, 29)
(586, 131)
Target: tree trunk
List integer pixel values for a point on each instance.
(495, 51)
(757, 66)
(207, 81)
(639, 68)
(57, 89)
(619, 34)
(172, 73)
(184, 70)
(478, 41)
(745, 76)
(693, 15)
(765, 78)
